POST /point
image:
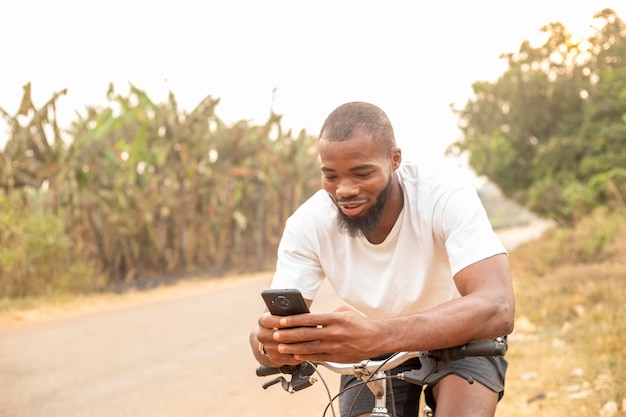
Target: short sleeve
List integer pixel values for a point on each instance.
(467, 231)
(298, 265)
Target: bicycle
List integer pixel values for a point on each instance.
(373, 373)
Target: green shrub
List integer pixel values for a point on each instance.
(36, 256)
(583, 243)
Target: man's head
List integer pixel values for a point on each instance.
(358, 156)
(350, 118)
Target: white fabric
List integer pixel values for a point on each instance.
(442, 229)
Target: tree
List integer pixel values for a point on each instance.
(552, 127)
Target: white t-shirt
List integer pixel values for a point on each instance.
(442, 228)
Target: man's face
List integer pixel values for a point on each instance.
(358, 177)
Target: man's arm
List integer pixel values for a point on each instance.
(485, 310)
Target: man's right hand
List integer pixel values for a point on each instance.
(262, 338)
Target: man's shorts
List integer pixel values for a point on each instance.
(489, 371)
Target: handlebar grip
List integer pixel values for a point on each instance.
(263, 370)
(493, 347)
(301, 370)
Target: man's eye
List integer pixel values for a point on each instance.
(330, 177)
(364, 175)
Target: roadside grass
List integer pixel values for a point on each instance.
(16, 310)
(567, 356)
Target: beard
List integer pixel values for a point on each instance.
(368, 222)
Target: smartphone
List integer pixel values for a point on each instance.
(284, 302)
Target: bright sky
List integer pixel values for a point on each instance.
(410, 58)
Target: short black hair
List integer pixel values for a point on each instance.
(357, 116)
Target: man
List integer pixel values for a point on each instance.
(415, 257)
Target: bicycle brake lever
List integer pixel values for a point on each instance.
(301, 378)
(274, 382)
(418, 376)
(301, 383)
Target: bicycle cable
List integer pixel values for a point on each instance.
(363, 384)
(321, 377)
(369, 379)
(358, 384)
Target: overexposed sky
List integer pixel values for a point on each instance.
(411, 58)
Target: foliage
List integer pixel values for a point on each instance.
(37, 257)
(551, 131)
(145, 189)
(584, 243)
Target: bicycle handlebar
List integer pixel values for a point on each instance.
(302, 374)
(494, 347)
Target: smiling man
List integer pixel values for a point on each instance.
(413, 256)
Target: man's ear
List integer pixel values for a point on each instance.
(396, 158)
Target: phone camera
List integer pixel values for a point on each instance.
(282, 302)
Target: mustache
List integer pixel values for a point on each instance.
(349, 200)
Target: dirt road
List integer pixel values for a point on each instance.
(182, 352)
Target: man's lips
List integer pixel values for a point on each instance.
(352, 208)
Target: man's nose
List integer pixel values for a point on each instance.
(347, 188)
